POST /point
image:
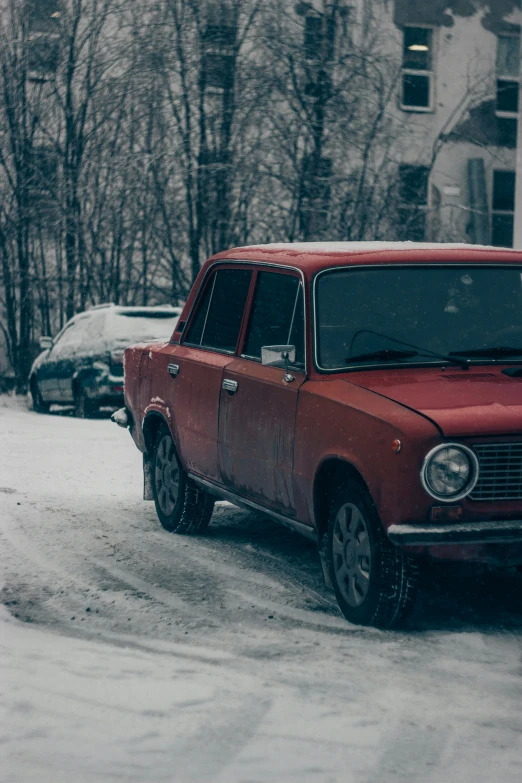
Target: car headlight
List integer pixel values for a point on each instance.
(450, 472)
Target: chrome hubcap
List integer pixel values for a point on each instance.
(351, 554)
(166, 476)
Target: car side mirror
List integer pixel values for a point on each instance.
(277, 355)
(46, 343)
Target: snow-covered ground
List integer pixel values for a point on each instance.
(128, 654)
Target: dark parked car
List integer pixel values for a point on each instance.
(366, 395)
(83, 365)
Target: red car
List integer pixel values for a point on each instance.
(366, 395)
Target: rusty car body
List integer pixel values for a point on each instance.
(366, 395)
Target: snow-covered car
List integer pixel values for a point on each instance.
(367, 395)
(83, 364)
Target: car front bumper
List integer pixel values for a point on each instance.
(489, 532)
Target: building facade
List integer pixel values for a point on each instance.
(457, 103)
(461, 90)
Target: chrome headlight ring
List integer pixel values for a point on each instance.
(471, 478)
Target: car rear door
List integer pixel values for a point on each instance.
(259, 403)
(188, 377)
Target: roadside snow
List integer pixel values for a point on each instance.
(128, 654)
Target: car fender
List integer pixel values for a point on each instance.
(158, 407)
(384, 442)
(40, 359)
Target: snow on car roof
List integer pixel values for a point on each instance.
(317, 248)
(311, 257)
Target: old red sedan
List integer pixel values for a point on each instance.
(367, 395)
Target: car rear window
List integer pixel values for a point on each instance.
(140, 326)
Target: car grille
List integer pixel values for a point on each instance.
(500, 474)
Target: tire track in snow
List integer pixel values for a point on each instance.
(219, 740)
(410, 753)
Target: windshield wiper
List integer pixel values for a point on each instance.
(499, 352)
(387, 354)
(427, 352)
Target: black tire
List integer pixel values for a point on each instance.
(84, 407)
(180, 505)
(39, 404)
(374, 581)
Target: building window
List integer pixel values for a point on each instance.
(508, 56)
(219, 40)
(42, 169)
(220, 35)
(43, 45)
(508, 88)
(413, 202)
(43, 55)
(417, 69)
(219, 70)
(44, 15)
(503, 213)
(315, 194)
(319, 37)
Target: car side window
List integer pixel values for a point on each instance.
(277, 316)
(219, 315)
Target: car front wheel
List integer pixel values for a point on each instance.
(180, 505)
(375, 582)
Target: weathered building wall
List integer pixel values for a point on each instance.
(465, 40)
(495, 14)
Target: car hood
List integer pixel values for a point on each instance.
(478, 401)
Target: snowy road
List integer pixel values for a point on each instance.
(128, 654)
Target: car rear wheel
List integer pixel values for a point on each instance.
(84, 407)
(180, 505)
(39, 404)
(375, 582)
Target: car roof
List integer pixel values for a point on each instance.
(109, 307)
(137, 310)
(311, 257)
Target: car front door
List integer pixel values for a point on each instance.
(50, 369)
(188, 377)
(259, 403)
(73, 354)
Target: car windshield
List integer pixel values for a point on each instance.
(140, 326)
(418, 314)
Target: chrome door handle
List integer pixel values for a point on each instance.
(230, 386)
(173, 369)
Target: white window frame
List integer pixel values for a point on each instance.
(507, 115)
(415, 72)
